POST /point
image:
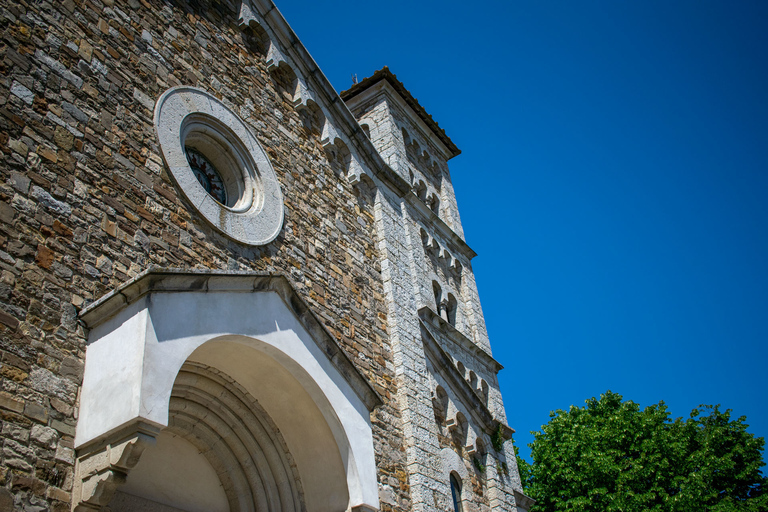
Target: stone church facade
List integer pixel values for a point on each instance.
(226, 286)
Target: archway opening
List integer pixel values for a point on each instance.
(220, 452)
(243, 434)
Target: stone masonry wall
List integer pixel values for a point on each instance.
(85, 204)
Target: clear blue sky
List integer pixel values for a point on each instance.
(614, 182)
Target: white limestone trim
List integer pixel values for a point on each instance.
(256, 217)
(100, 470)
(342, 124)
(144, 332)
(250, 15)
(428, 217)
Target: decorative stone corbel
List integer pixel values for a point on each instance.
(274, 57)
(248, 14)
(355, 170)
(302, 93)
(104, 466)
(329, 134)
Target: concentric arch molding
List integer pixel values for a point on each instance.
(190, 118)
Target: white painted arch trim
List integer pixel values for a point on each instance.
(257, 217)
(136, 351)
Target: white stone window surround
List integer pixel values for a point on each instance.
(188, 116)
(142, 333)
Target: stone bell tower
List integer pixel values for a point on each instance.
(453, 415)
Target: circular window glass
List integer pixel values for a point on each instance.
(218, 165)
(207, 175)
(221, 163)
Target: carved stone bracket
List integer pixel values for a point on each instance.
(102, 467)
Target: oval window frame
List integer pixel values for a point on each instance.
(187, 113)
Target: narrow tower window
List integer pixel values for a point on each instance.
(451, 308)
(456, 493)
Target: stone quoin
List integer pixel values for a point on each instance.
(225, 285)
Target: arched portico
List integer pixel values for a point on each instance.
(157, 339)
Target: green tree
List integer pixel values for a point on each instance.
(611, 456)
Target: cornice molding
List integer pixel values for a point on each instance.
(346, 121)
(430, 218)
(438, 327)
(523, 501)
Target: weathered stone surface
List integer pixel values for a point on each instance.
(6, 500)
(16, 433)
(8, 320)
(7, 402)
(44, 436)
(22, 92)
(18, 456)
(63, 138)
(44, 256)
(65, 454)
(29, 483)
(46, 200)
(36, 412)
(72, 368)
(63, 428)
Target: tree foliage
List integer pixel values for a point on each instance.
(611, 456)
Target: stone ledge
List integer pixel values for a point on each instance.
(523, 501)
(432, 219)
(475, 407)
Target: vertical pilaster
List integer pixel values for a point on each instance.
(428, 492)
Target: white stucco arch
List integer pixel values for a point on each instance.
(259, 333)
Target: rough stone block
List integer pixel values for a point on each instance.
(36, 412)
(44, 436)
